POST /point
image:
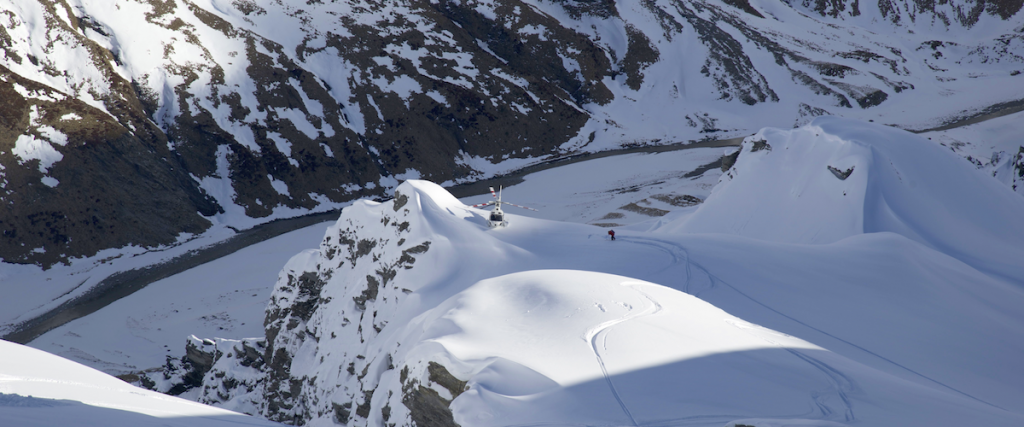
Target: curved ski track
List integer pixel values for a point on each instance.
(600, 331)
(839, 380)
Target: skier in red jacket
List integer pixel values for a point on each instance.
(612, 233)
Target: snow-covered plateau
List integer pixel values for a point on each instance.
(840, 273)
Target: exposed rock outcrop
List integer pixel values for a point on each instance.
(337, 299)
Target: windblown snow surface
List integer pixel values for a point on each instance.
(841, 273)
(40, 389)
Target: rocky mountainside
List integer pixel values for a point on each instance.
(288, 375)
(138, 122)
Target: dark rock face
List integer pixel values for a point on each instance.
(1018, 171)
(150, 194)
(729, 160)
(955, 12)
(196, 363)
(185, 373)
(116, 186)
(839, 173)
(426, 406)
(597, 8)
(325, 355)
(278, 379)
(833, 8)
(201, 359)
(477, 116)
(962, 12)
(760, 144)
(731, 70)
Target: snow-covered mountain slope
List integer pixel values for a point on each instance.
(125, 119)
(39, 389)
(413, 311)
(837, 178)
(227, 297)
(995, 146)
(134, 334)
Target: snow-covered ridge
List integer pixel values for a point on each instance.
(259, 109)
(414, 312)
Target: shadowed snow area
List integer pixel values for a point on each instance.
(40, 389)
(778, 301)
(528, 343)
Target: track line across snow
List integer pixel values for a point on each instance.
(600, 331)
(674, 248)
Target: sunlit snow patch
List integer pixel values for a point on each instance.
(835, 178)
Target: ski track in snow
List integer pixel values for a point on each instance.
(837, 378)
(840, 382)
(600, 330)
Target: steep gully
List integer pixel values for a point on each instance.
(122, 284)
